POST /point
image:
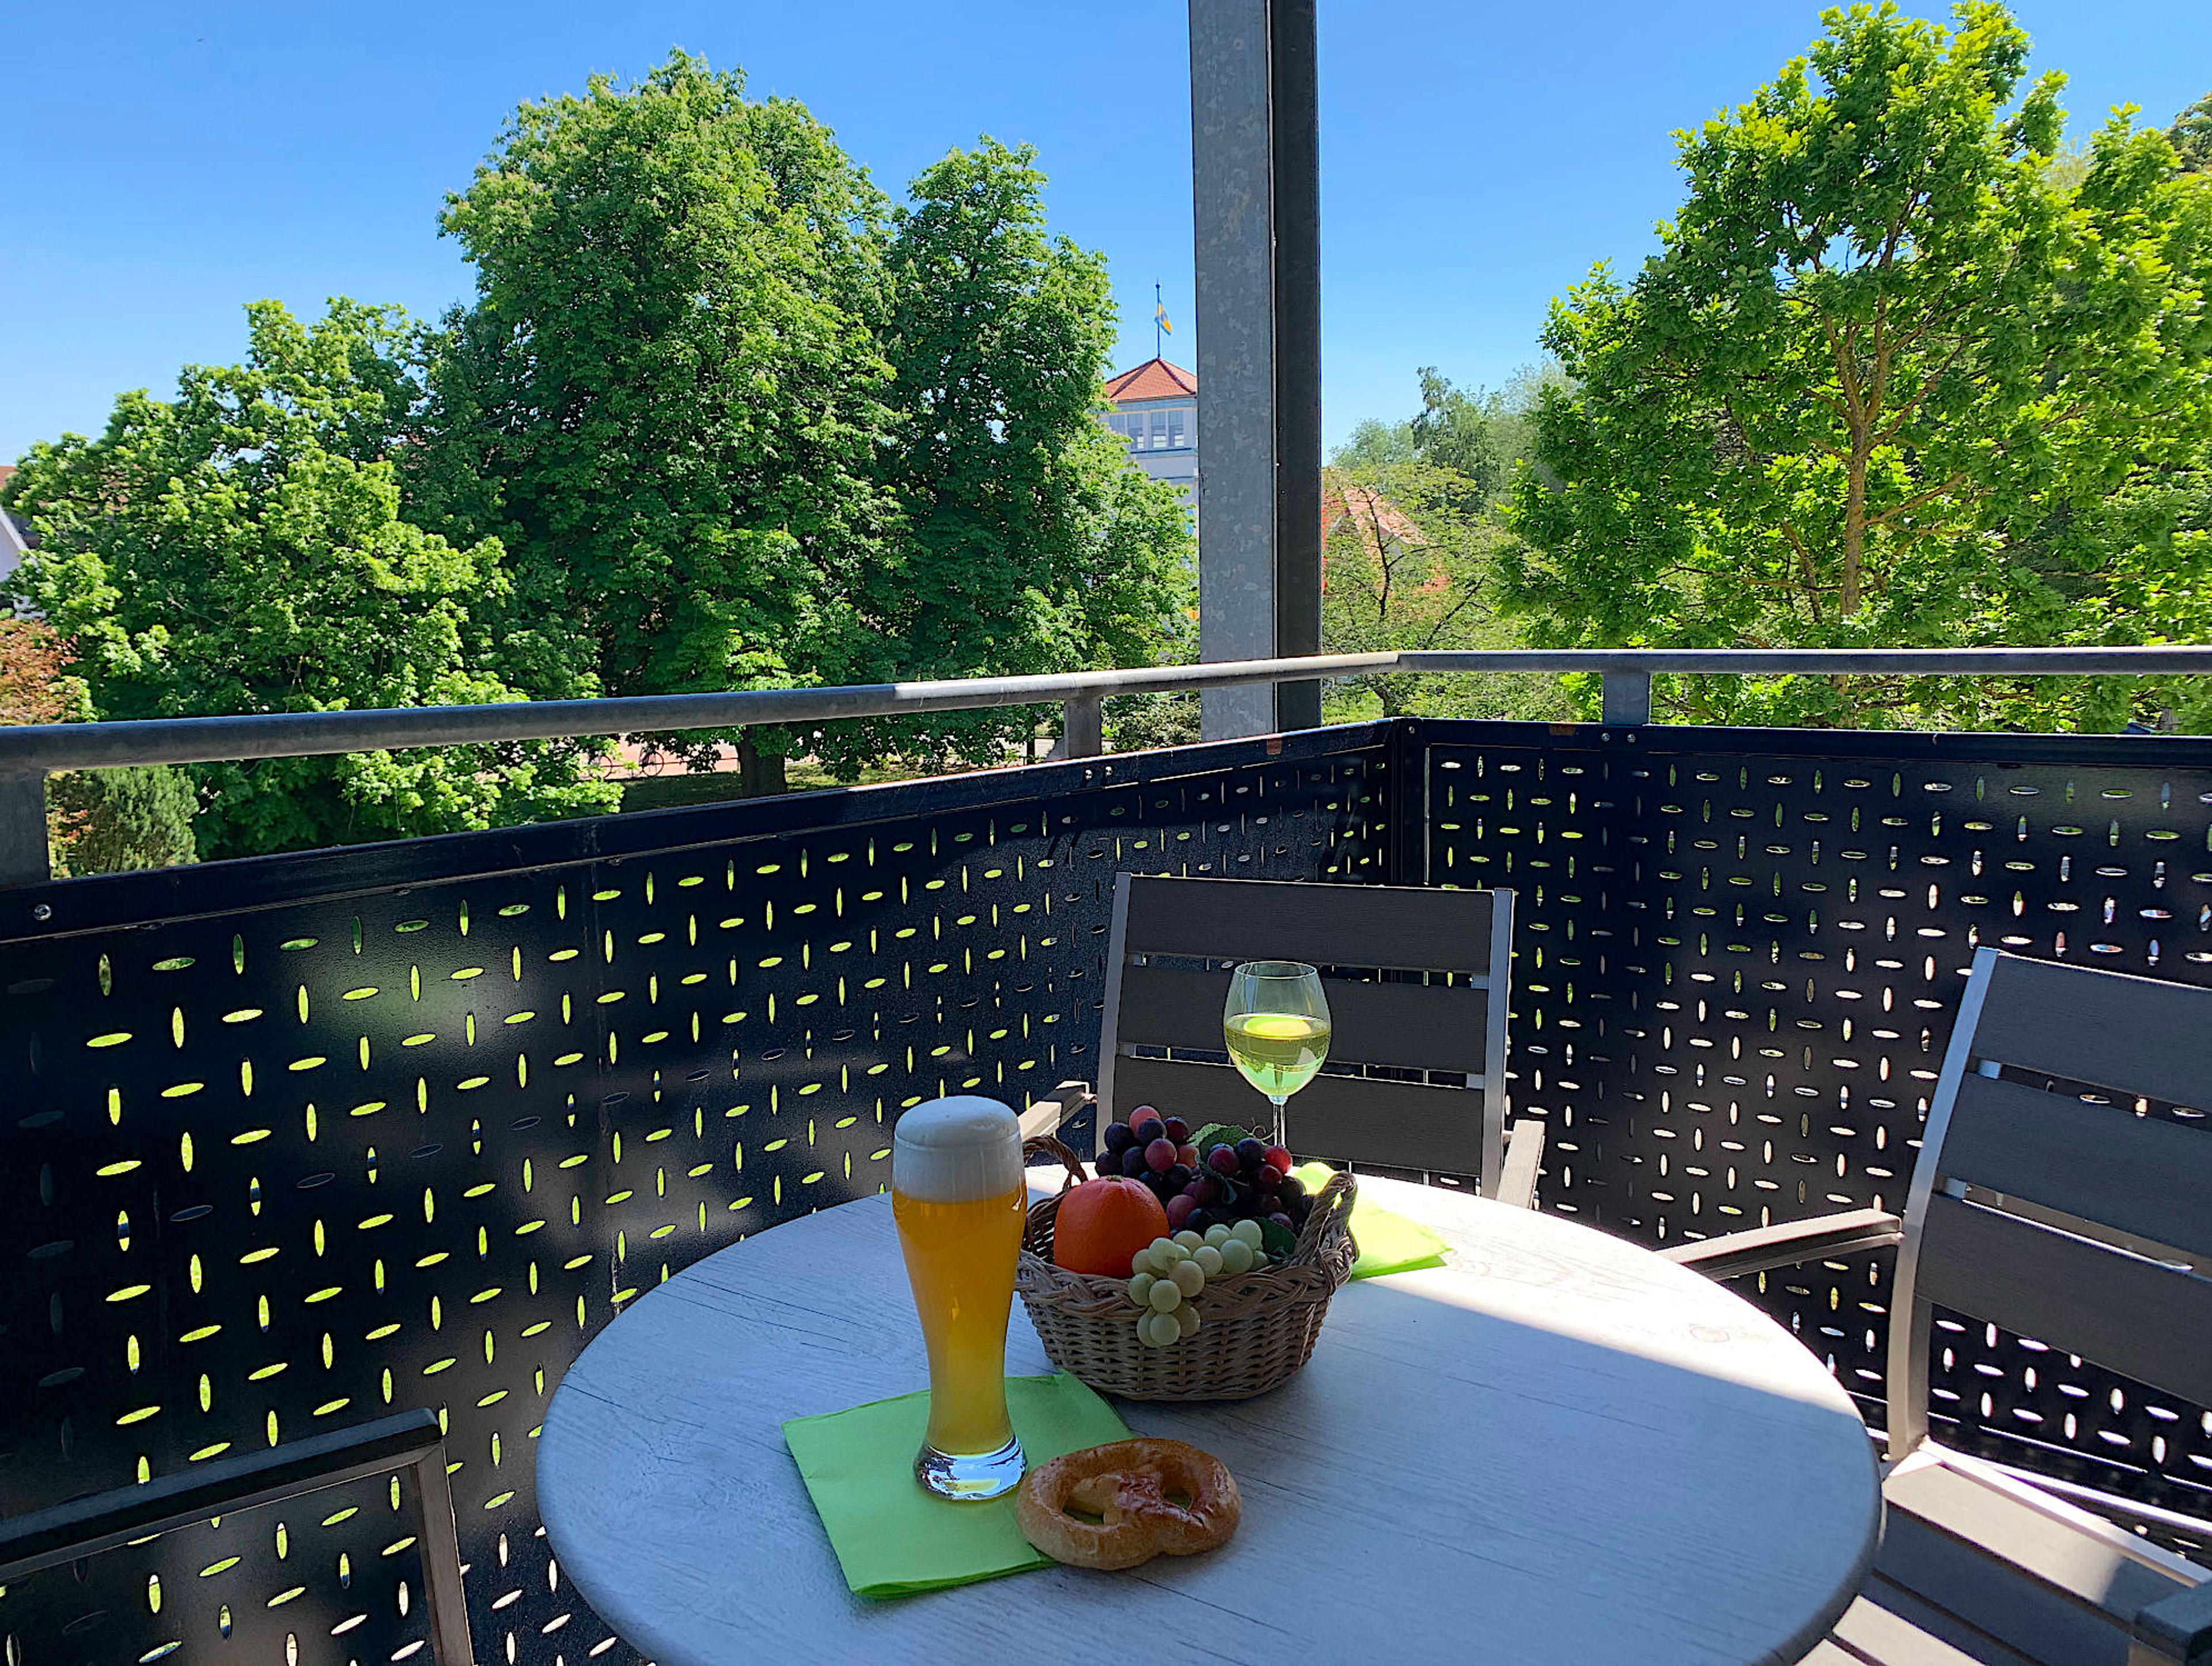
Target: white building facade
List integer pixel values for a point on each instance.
(15, 538)
(1155, 415)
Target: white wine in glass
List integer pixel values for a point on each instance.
(1277, 1028)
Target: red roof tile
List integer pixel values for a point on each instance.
(1155, 379)
(1372, 518)
(1376, 522)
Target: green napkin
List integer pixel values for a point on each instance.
(1387, 1243)
(893, 1539)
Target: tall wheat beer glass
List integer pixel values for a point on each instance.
(958, 1195)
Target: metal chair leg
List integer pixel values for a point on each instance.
(443, 1588)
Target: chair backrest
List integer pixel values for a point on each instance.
(410, 1442)
(2071, 1220)
(1454, 1027)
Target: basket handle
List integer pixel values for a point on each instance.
(1043, 1145)
(1333, 1201)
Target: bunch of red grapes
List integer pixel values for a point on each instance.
(1219, 1186)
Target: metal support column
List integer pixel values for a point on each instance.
(1232, 192)
(1294, 136)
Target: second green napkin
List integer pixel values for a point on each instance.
(1387, 1243)
(892, 1538)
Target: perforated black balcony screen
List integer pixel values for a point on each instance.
(292, 1142)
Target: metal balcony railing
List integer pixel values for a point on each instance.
(306, 1140)
(29, 753)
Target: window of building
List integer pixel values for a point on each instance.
(1175, 441)
(1159, 439)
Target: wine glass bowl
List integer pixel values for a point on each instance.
(1276, 1025)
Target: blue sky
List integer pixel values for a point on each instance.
(163, 165)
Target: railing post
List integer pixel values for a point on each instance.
(1627, 698)
(1083, 726)
(23, 828)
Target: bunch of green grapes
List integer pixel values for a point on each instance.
(1167, 1275)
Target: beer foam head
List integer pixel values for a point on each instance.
(955, 1150)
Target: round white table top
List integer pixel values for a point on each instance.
(1556, 1447)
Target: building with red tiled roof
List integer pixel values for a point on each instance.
(1155, 415)
(1377, 523)
(1155, 379)
(1351, 510)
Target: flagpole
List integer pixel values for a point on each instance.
(1158, 351)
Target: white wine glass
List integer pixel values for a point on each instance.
(1277, 1026)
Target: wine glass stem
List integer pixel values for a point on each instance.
(1277, 1133)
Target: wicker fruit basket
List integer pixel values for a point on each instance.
(1255, 1328)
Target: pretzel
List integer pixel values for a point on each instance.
(1131, 1486)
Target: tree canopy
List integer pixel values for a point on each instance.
(1026, 543)
(239, 548)
(1412, 537)
(1402, 566)
(2190, 136)
(719, 416)
(1482, 437)
(1890, 381)
(110, 821)
(1408, 561)
(667, 398)
(738, 422)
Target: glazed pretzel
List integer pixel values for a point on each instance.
(1130, 1484)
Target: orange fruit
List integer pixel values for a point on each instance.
(1101, 1224)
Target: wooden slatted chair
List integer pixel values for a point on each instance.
(1455, 1028)
(2078, 1222)
(411, 1441)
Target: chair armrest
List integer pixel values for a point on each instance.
(1764, 1248)
(40, 1539)
(1047, 1116)
(2177, 1627)
(411, 1441)
(1524, 1153)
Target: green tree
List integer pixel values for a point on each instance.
(667, 398)
(1482, 436)
(35, 686)
(1479, 436)
(1025, 542)
(1889, 382)
(111, 820)
(1375, 444)
(1407, 563)
(1142, 723)
(1411, 521)
(240, 550)
(2190, 136)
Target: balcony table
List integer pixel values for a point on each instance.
(1556, 1447)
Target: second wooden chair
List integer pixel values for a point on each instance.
(1417, 982)
(2042, 1202)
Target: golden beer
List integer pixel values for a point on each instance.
(958, 1198)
